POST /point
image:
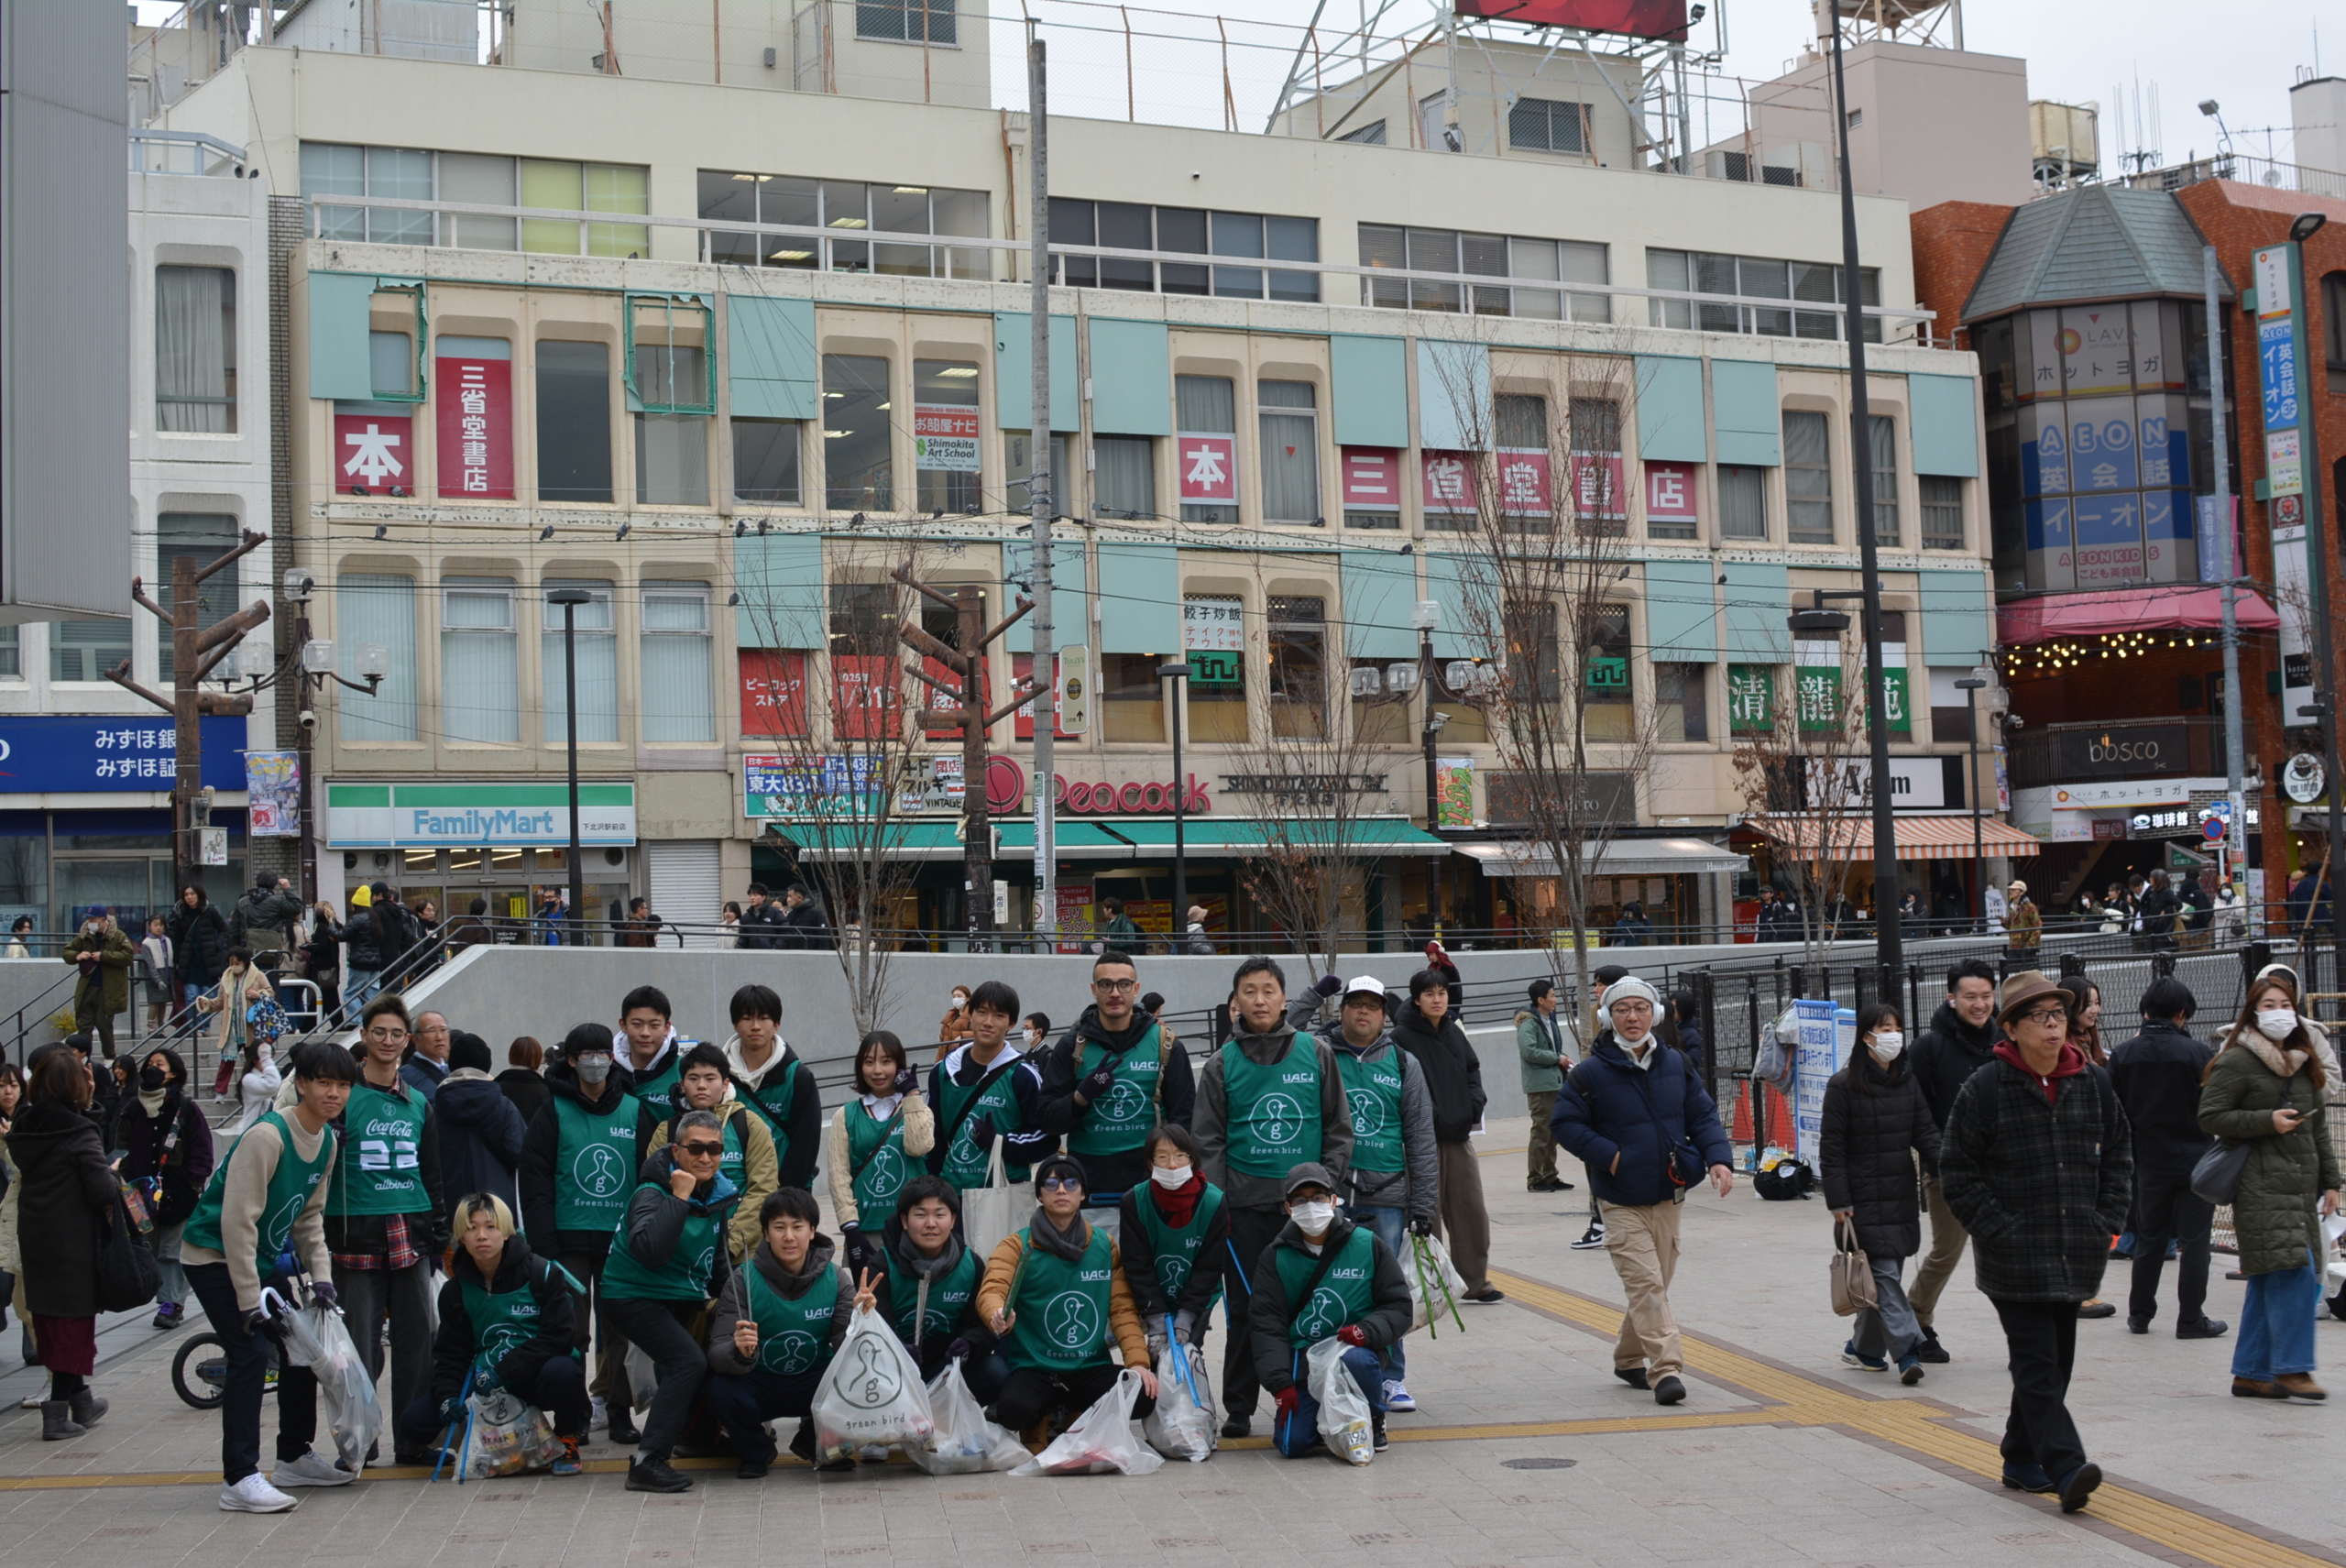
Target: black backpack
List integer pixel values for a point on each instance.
(1788, 1178)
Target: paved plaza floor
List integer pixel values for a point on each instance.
(1525, 1451)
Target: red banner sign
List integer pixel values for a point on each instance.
(1006, 795)
(1209, 467)
(1670, 492)
(475, 428)
(866, 698)
(1597, 486)
(1373, 478)
(374, 450)
(1449, 480)
(1637, 19)
(1526, 488)
(774, 692)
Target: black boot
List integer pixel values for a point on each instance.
(57, 1422)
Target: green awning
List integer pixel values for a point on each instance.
(1076, 841)
(1367, 837)
(906, 840)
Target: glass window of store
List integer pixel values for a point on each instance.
(766, 461)
(1123, 477)
(573, 399)
(376, 609)
(1743, 501)
(1133, 696)
(85, 650)
(1298, 670)
(201, 538)
(859, 466)
(1884, 444)
(947, 436)
(597, 641)
(1533, 650)
(195, 349)
(1291, 451)
(1605, 676)
(1014, 459)
(679, 658)
(1380, 720)
(480, 674)
(1681, 702)
(1217, 682)
(1206, 405)
(1808, 478)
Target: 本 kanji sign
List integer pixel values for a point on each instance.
(374, 450)
(1209, 467)
(475, 428)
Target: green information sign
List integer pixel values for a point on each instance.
(1897, 702)
(1817, 692)
(1750, 699)
(1213, 669)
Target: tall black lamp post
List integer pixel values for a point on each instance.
(1178, 672)
(1971, 686)
(570, 600)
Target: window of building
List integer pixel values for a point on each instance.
(1370, 135)
(1743, 501)
(671, 449)
(1808, 479)
(1527, 263)
(679, 660)
(766, 461)
(195, 349)
(1299, 672)
(1548, 124)
(201, 537)
(1206, 405)
(1289, 429)
(851, 208)
(2333, 330)
(908, 21)
(1017, 459)
(11, 666)
(585, 187)
(1600, 486)
(1131, 696)
(1380, 720)
(484, 180)
(1435, 130)
(947, 436)
(480, 671)
(1681, 702)
(1810, 291)
(597, 645)
(574, 394)
(393, 373)
(1605, 676)
(1123, 475)
(1942, 501)
(863, 620)
(87, 649)
(339, 180)
(376, 609)
(1217, 685)
(1127, 226)
(1533, 652)
(858, 471)
(1883, 431)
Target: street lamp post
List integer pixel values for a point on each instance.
(570, 600)
(1428, 616)
(2318, 551)
(1177, 673)
(1971, 686)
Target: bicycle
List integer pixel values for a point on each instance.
(200, 1371)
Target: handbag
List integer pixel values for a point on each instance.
(1851, 1275)
(127, 1278)
(993, 1212)
(2216, 1178)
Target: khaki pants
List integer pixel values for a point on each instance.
(1644, 1244)
(1465, 1225)
(1540, 1166)
(1948, 1236)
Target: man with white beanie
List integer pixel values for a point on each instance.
(1637, 1115)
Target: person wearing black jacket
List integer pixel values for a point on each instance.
(322, 959)
(1453, 1074)
(574, 1177)
(200, 938)
(1352, 1288)
(802, 922)
(481, 1131)
(761, 928)
(1112, 1079)
(167, 1153)
(505, 1321)
(2157, 1076)
(1876, 1126)
(1960, 1041)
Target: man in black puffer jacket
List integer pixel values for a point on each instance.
(1960, 1041)
(2156, 1074)
(1427, 1029)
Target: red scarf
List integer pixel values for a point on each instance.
(2071, 1063)
(1179, 1204)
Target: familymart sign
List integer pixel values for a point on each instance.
(429, 816)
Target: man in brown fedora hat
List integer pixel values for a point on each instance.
(2036, 1161)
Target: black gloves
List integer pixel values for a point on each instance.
(322, 1292)
(1097, 1082)
(1422, 1227)
(259, 1323)
(906, 1081)
(982, 1135)
(960, 1350)
(1327, 985)
(860, 1252)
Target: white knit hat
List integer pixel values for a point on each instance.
(1629, 985)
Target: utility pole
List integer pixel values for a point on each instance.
(2235, 767)
(194, 653)
(967, 660)
(1038, 490)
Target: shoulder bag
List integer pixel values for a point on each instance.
(2216, 1178)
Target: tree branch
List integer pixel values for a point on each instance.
(139, 596)
(252, 541)
(120, 676)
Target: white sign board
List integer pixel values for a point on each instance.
(1827, 1034)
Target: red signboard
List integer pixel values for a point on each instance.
(1373, 478)
(1526, 488)
(374, 450)
(1022, 668)
(1670, 492)
(865, 696)
(1597, 486)
(1209, 467)
(1638, 18)
(1449, 480)
(475, 428)
(774, 692)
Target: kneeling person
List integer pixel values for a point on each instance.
(1323, 1276)
(506, 1318)
(773, 1330)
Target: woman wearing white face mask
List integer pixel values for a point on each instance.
(2266, 1089)
(954, 1027)
(1876, 1123)
(1176, 1236)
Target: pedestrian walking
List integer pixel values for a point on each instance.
(65, 1198)
(1539, 1043)
(155, 954)
(322, 959)
(2085, 1033)
(2157, 1075)
(2023, 926)
(2035, 1159)
(102, 954)
(1960, 1041)
(1428, 1029)
(2266, 1089)
(1877, 1134)
(166, 1155)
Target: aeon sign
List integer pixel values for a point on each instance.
(1006, 793)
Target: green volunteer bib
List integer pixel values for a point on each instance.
(594, 1164)
(684, 1278)
(1274, 1112)
(1176, 1249)
(658, 1093)
(1062, 1308)
(290, 1187)
(966, 1164)
(381, 1173)
(503, 1321)
(772, 1101)
(793, 1337)
(875, 1151)
(948, 1298)
(1345, 1294)
(1120, 1121)
(1373, 1093)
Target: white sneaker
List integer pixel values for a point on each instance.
(35, 1401)
(600, 1416)
(254, 1494)
(1399, 1400)
(312, 1469)
(1591, 1239)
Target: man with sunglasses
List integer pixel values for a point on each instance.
(2037, 1162)
(1110, 1079)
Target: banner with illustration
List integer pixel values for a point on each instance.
(273, 795)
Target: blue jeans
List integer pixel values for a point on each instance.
(1293, 1436)
(1392, 1226)
(359, 988)
(2276, 1323)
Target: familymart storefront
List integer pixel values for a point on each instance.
(448, 843)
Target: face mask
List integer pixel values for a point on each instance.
(1888, 1044)
(1170, 1176)
(151, 1079)
(593, 1070)
(959, 1001)
(2278, 1024)
(1313, 1219)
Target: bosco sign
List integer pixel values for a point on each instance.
(2138, 751)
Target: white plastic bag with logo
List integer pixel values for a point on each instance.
(1344, 1408)
(1100, 1441)
(316, 1338)
(871, 1395)
(1182, 1426)
(1435, 1286)
(964, 1443)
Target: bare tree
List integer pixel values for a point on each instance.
(1803, 769)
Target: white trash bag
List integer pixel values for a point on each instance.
(871, 1395)
(964, 1443)
(1100, 1443)
(1183, 1424)
(1344, 1408)
(316, 1338)
(1434, 1283)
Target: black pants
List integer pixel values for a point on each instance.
(2041, 1338)
(661, 1329)
(297, 1387)
(2165, 1208)
(559, 1389)
(591, 1311)
(1252, 1232)
(1034, 1392)
(742, 1405)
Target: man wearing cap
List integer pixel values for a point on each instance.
(2037, 1162)
(1394, 1182)
(1323, 1276)
(1636, 1115)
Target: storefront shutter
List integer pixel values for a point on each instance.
(1140, 604)
(1945, 440)
(686, 885)
(1682, 612)
(1370, 387)
(1132, 380)
(1669, 410)
(1743, 409)
(1014, 361)
(771, 359)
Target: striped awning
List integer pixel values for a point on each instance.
(1919, 838)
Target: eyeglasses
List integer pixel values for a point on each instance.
(704, 1151)
(1116, 987)
(2047, 1017)
(1061, 1184)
